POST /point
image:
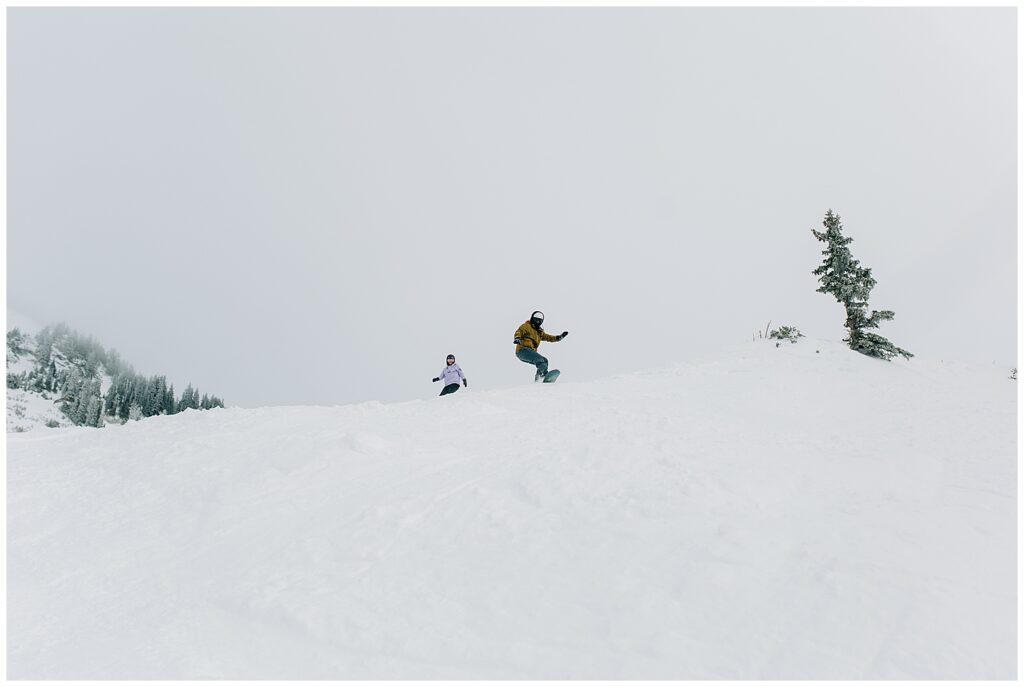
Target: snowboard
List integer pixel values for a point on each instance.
(551, 376)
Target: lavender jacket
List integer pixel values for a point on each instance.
(452, 374)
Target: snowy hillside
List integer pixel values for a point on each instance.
(30, 408)
(792, 512)
(57, 377)
(27, 409)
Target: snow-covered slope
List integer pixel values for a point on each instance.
(58, 378)
(767, 513)
(27, 410)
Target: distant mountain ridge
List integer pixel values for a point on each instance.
(57, 377)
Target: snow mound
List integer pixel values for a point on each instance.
(784, 512)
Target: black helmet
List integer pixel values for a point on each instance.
(537, 318)
(451, 356)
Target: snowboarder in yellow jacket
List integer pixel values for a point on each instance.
(527, 341)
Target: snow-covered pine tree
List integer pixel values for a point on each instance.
(138, 394)
(111, 399)
(157, 389)
(90, 403)
(71, 391)
(169, 403)
(140, 388)
(94, 405)
(187, 399)
(48, 379)
(842, 276)
(119, 397)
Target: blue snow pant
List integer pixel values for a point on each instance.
(531, 356)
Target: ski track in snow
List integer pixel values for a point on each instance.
(772, 513)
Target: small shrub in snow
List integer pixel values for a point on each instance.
(790, 334)
(1013, 374)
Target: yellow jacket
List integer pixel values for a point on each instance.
(528, 337)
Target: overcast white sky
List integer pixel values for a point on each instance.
(315, 206)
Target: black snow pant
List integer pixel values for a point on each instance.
(450, 389)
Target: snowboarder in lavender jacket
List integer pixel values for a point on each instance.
(452, 375)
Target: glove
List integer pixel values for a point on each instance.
(516, 341)
(436, 379)
(563, 335)
(465, 382)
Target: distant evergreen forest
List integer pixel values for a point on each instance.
(69, 368)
